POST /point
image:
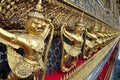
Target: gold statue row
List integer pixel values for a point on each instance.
(86, 38)
(85, 42)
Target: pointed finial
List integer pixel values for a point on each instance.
(37, 11)
(38, 6)
(81, 19)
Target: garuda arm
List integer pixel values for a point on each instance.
(95, 40)
(14, 59)
(71, 36)
(14, 41)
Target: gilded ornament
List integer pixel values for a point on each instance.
(32, 42)
(71, 51)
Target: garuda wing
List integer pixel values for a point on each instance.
(13, 58)
(17, 63)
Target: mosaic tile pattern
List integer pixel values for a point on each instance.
(116, 73)
(116, 68)
(54, 56)
(4, 68)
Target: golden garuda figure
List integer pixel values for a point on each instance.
(102, 34)
(32, 42)
(92, 40)
(71, 51)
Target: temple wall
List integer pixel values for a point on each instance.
(104, 10)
